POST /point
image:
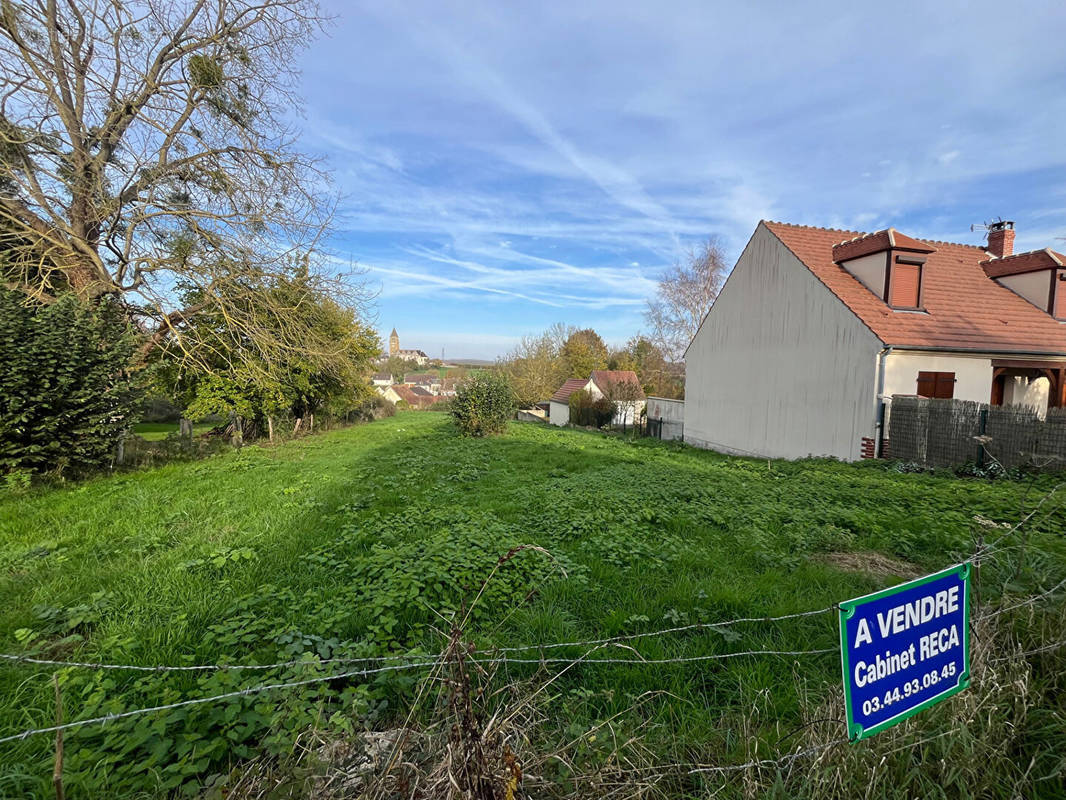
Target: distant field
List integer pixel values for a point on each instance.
(154, 431)
(365, 541)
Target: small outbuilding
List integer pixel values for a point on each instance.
(620, 386)
(559, 405)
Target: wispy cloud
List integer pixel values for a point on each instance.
(505, 166)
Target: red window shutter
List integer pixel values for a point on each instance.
(936, 384)
(905, 284)
(926, 384)
(945, 385)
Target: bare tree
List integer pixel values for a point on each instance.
(145, 154)
(685, 294)
(626, 396)
(534, 368)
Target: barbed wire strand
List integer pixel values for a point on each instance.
(199, 700)
(395, 667)
(1025, 654)
(1027, 602)
(660, 771)
(386, 659)
(767, 762)
(304, 662)
(978, 554)
(677, 660)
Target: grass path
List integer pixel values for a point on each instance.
(156, 431)
(355, 542)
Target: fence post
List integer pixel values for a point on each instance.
(981, 444)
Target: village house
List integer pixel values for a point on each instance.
(414, 396)
(381, 379)
(621, 386)
(815, 330)
(428, 381)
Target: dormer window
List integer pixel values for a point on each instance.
(889, 264)
(905, 282)
(1038, 276)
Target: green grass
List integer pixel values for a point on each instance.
(156, 431)
(363, 541)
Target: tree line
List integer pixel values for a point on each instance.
(155, 209)
(540, 363)
(160, 232)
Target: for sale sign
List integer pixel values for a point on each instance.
(904, 649)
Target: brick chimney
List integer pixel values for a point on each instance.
(1001, 238)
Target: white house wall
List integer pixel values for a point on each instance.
(973, 374)
(671, 413)
(558, 413)
(780, 367)
(973, 378)
(1019, 391)
(624, 414)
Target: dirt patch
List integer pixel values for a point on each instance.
(871, 563)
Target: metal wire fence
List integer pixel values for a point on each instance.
(945, 433)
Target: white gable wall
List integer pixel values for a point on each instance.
(780, 367)
(558, 413)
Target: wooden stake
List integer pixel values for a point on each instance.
(57, 772)
(270, 428)
(297, 426)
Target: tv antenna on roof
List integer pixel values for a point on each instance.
(998, 224)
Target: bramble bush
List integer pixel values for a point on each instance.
(483, 404)
(65, 400)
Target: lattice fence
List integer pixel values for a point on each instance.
(943, 433)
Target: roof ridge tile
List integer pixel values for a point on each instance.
(808, 227)
(1047, 250)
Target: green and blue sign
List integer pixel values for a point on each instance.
(904, 649)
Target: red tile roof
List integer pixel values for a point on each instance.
(562, 395)
(604, 378)
(413, 398)
(964, 309)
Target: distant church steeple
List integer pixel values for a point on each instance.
(394, 343)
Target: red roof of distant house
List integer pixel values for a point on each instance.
(964, 309)
(562, 395)
(605, 378)
(421, 391)
(413, 398)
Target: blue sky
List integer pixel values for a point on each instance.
(503, 166)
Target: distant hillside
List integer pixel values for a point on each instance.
(471, 362)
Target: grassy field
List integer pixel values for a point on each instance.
(364, 541)
(155, 431)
